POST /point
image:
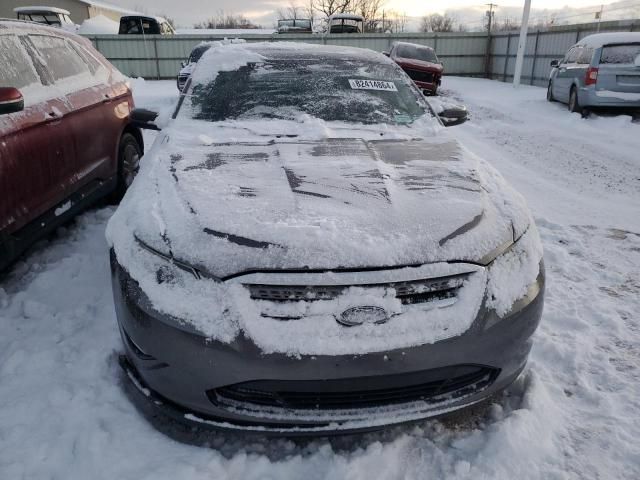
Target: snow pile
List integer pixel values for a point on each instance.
(99, 25)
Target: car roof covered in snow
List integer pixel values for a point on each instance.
(418, 45)
(600, 39)
(37, 9)
(9, 25)
(299, 50)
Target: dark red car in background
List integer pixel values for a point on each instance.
(66, 139)
(420, 63)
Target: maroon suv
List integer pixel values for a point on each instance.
(420, 63)
(65, 135)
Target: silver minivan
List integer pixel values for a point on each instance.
(601, 70)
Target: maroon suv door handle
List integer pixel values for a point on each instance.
(107, 98)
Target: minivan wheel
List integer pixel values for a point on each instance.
(129, 153)
(574, 105)
(550, 93)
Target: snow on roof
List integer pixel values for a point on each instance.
(225, 31)
(417, 45)
(35, 9)
(599, 39)
(346, 16)
(108, 6)
(99, 25)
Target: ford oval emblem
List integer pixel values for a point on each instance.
(366, 314)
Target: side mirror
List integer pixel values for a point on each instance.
(386, 54)
(143, 118)
(183, 64)
(554, 63)
(11, 100)
(454, 116)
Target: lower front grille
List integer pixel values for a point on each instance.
(419, 75)
(431, 386)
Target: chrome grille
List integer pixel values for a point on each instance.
(410, 292)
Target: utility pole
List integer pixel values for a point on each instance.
(599, 16)
(487, 57)
(522, 42)
(490, 13)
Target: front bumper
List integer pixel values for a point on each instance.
(183, 375)
(430, 87)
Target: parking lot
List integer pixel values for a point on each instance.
(572, 414)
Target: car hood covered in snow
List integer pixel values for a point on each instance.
(287, 203)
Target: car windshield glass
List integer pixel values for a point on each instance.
(417, 53)
(620, 53)
(297, 23)
(197, 52)
(52, 19)
(328, 89)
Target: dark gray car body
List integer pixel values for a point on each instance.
(286, 221)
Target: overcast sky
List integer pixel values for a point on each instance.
(187, 12)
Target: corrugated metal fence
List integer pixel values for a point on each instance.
(469, 54)
(542, 47)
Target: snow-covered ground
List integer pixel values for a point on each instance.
(575, 413)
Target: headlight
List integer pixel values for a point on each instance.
(511, 274)
(164, 273)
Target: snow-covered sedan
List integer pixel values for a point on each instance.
(308, 250)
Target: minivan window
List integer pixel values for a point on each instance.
(17, 70)
(62, 61)
(572, 55)
(620, 53)
(585, 55)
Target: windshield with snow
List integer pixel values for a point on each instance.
(328, 89)
(620, 53)
(417, 53)
(197, 53)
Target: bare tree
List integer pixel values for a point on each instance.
(169, 20)
(371, 11)
(394, 21)
(331, 7)
(507, 24)
(292, 11)
(226, 20)
(437, 23)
